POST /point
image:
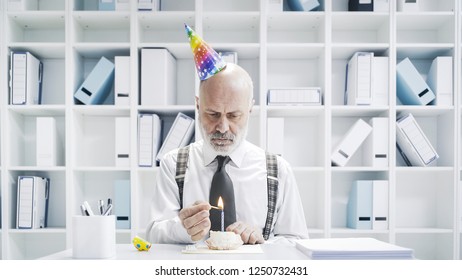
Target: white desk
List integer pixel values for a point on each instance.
(173, 252)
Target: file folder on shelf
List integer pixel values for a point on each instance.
(122, 5)
(122, 80)
(148, 5)
(360, 5)
(106, 5)
(376, 145)
(350, 143)
(96, 87)
(122, 204)
(275, 136)
(408, 5)
(32, 202)
(122, 141)
(440, 80)
(359, 208)
(22, 5)
(303, 5)
(275, 5)
(158, 77)
(295, 96)
(26, 75)
(381, 5)
(380, 77)
(48, 150)
(412, 142)
(411, 88)
(178, 136)
(149, 139)
(380, 204)
(359, 85)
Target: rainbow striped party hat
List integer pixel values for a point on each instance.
(208, 61)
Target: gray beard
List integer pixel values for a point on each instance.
(224, 150)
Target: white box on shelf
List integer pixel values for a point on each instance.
(22, 5)
(122, 141)
(408, 6)
(26, 72)
(359, 85)
(33, 194)
(359, 207)
(380, 81)
(122, 204)
(158, 77)
(412, 143)
(275, 5)
(149, 139)
(380, 199)
(440, 80)
(275, 136)
(376, 145)
(47, 142)
(350, 143)
(122, 5)
(294, 96)
(122, 80)
(411, 88)
(381, 5)
(148, 5)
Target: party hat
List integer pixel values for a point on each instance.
(208, 61)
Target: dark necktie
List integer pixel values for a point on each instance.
(222, 186)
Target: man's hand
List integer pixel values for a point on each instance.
(249, 234)
(195, 219)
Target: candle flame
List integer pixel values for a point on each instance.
(220, 203)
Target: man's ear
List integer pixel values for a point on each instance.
(251, 105)
(197, 102)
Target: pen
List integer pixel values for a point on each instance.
(83, 210)
(108, 210)
(109, 202)
(101, 206)
(88, 208)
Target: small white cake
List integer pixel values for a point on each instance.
(223, 240)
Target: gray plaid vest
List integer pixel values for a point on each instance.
(272, 183)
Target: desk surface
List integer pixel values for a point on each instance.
(173, 252)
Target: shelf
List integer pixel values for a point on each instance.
(297, 27)
(36, 26)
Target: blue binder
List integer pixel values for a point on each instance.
(359, 209)
(411, 88)
(96, 88)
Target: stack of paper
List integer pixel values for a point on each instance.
(351, 249)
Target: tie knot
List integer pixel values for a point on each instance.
(222, 161)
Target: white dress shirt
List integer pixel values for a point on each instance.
(247, 170)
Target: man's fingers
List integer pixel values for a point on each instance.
(191, 221)
(193, 210)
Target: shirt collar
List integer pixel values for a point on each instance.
(237, 156)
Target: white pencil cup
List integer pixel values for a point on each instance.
(93, 237)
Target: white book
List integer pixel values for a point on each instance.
(380, 81)
(122, 5)
(275, 136)
(408, 5)
(440, 80)
(376, 145)
(47, 142)
(22, 5)
(178, 136)
(122, 141)
(32, 202)
(158, 77)
(359, 83)
(25, 78)
(148, 5)
(295, 96)
(380, 204)
(149, 139)
(352, 248)
(122, 80)
(350, 143)
(412, 142)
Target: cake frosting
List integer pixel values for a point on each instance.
(223, 240)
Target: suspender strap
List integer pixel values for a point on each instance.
(181, 165)
(272, 183)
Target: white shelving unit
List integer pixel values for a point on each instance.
(278, 49)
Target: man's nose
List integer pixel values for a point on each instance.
(223, 125)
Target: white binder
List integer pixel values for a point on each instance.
(178, 136)
(122, 80)
(376, 145)
(350, 143)
(380, 204)
(411, 88)
(408, 5)
(122, 204)
(359, 207)
(294, 96)
(412, 143)
(440, 80)
(359, 83)
(149, 139)
(25, 79)
(275, 136)
(48, 150)
(32, 202)
(122, 141)
(381, 5)
(122, 5)
(380, 80)
(148, 5)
